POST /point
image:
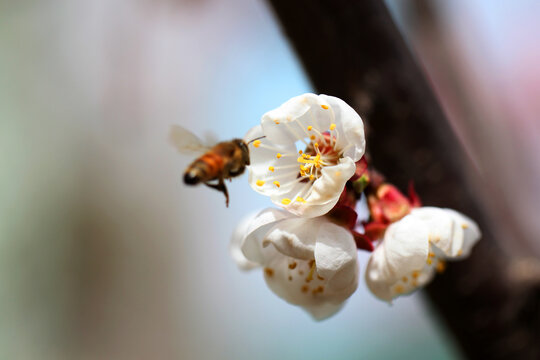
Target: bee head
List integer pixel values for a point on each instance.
(245, 151)
(191, 178)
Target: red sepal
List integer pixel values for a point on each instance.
(362, 241)
(344, 216)
(375, 230)
(414, 199)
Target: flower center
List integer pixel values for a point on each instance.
(314, 159)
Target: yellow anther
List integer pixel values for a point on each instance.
(257, 143)
(260, 183)
(309, 277)
(286, 201)
(311, 177)
(308, 156)
(431, 254)
(299, 199)
(276, 122)
(325, 107)
(277, 183)
(332, 126)
(464, 226)
(399, 289)
(312, 137)
(271, 168)
(269, 271)
(309, 127)
(278, 155)
(316, 145)
(303, 168)
(441, 266)
(429, 261)
(300, 152)
(415, 274)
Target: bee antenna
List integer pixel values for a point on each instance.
(260, 137)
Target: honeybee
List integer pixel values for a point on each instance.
(224, 160)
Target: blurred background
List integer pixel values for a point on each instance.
(104, 254)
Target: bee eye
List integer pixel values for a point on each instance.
(190, 178)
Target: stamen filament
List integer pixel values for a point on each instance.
(321, 136)
(266, 146)
(278, 177)
(316, 123)
(303, 128)
(294, 133)
(281, 167)
(336, 139)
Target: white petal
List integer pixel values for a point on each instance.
(471, 232)
(266, 167)
(406, 245)
(387, 286)
(319, 248)
(336, 256)
(379, 279)
(257, 230)
(324, 310)
(294, 237)
(314, 296)
(237, 240)
(324, 192)
(288, 123)
(253, 133)
(350, 128)
(444, 232)
(398, 265)
(451, 232)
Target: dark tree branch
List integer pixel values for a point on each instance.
(353, 50)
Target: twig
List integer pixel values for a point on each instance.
(353, 50)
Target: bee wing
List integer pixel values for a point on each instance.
(210, 138)
(185, 141)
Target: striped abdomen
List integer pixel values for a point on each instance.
(206, 168)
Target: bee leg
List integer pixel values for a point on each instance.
(220, 186)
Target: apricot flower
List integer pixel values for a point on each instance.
(416, 247)
(310, 262)
(305, 152)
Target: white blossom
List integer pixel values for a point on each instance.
(307, 153)
(416, 247)
(309, 262)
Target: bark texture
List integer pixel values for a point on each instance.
(353, 50)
